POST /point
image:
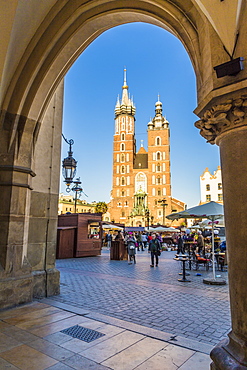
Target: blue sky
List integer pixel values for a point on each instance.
(156, 63)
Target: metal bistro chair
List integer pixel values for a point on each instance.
(198, 261)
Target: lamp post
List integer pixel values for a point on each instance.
(77, 189)
(69, 171)
(163, 204)
(69, 165)
(147, 214)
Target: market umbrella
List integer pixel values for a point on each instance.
(112, 227)
(219, 222)
(163, 229)
(212, 211)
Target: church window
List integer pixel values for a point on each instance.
(141, 182)
(119, 204)
(208, 187)
(159, 192)
(122, 136)
(122, 157)
(158, 141)
(117, 181)
(158, 156)
(122, 147)
(117, 157)
(122, 181)
(164, 166)
(164, 191)
(153, 167)
(126, 204)
(117, 169)
(122, 169)
(158, 167)
(153, 179)
(122, 193)
(127, 157)
(220, 186)
(158, 180)
(155, 202)
(123, 214)
(164, 179)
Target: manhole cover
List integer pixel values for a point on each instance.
(85, 334)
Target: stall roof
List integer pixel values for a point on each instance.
(134, 228)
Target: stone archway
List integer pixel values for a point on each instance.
(32, 70)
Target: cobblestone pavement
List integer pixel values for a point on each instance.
(152, 297)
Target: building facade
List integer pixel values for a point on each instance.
(211, 186)
(66, 203)
(141, 188)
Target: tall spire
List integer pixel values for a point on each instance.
(125, 97)
(126, 104)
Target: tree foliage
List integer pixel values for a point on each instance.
(101, 207)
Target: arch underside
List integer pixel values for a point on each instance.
(65, 34)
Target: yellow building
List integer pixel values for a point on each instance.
(66, 203)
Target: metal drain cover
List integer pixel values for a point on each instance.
(85, 334)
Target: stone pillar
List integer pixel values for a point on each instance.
(15, 184)
(226, 125)
(42, 236)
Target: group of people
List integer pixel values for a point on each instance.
(152, 241)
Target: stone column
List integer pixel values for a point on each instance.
(226, 125)
(16, 284)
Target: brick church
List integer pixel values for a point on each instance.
(141, 189)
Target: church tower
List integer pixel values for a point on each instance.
(123, 156)
(159, 184)
(141, 189)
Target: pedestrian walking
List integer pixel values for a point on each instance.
(131, 245)
(155, 250)
(180, 244)
(108, 240)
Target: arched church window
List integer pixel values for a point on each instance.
(158, 156)
(122, 137)
(122, 147)
(158, 167)
(122, 169)
(122, 157)
(158, 140)
(123, 214)
(141, 182)
(159, 192)
(158, 180)
(123, 194)
(122, 181)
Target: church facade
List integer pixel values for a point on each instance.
(141, 187)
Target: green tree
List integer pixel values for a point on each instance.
(101, 207)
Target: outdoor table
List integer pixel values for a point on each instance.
(184, 259)
(187, 246)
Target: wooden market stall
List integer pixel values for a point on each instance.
(79, 235)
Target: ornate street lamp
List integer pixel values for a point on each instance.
(69, 165)
(69, 171)
(163, 204)
(77, 189)
(147, 214)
